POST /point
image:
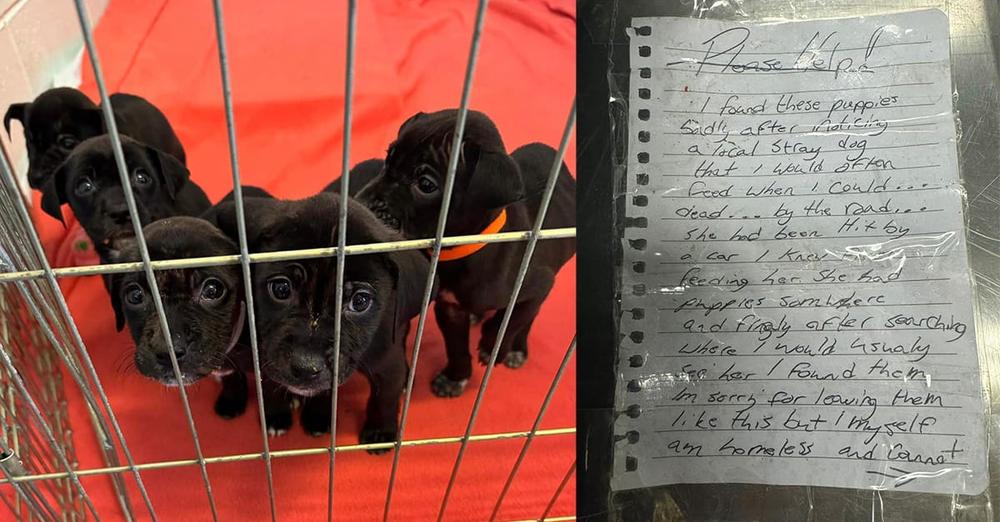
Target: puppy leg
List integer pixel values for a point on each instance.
(514, 349)
(315, 415)
(453, 321)
(277, 408)
(518, 353)
(232, 400)
(520, 322)
(382, 416)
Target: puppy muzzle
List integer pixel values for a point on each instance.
(383, 211)
(193, 363)
(309, 373)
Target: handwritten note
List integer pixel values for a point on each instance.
(797, 305)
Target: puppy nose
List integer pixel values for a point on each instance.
(180, 350)
(118, 213)
(164, 357)
(305, 369)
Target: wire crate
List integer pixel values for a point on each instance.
(41, 343)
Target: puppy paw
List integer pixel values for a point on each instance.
(484, 356)
(515, 360)
(316, 421)
(442, 386)
(278, 423)
(230, 407)
(377, 436)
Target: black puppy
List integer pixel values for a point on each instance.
(88, 180)
(205, 309)
(60, 119)
(493, 192)
(294, 304)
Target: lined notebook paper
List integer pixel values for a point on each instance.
(797, 304)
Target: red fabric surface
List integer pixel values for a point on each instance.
(287, 63)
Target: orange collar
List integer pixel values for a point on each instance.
(458, 252)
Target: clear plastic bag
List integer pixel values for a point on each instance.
(973, 68)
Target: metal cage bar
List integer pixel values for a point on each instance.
(287, 255)
(241, 227)
(32, 441)
(559, 490)
(50, 438)
(30, 459)
(291, 453)
(33, 296)
(7, 172)
(548, 519)
(345, 176)
(34, 500)
(449, 185)
(522, 271)
(123, 173)
(534, 428)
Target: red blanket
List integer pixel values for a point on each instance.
(287, 62)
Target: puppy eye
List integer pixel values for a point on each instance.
(84, 186)
(212, 289)
(67, 142)
(134, 295)
(280, 288)
(141, 177)
(361, 300)
(427, 184)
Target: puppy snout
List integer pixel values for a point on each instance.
(181, 345)
(163, 358)
(306, 369)
(118, 213)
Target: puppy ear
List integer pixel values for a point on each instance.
(113, 283)
(496, 179)
(54, 192)
(16, 111)
(409, 269)
(173, 174)
(118, 253)
(258, 212)
(412, 119)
